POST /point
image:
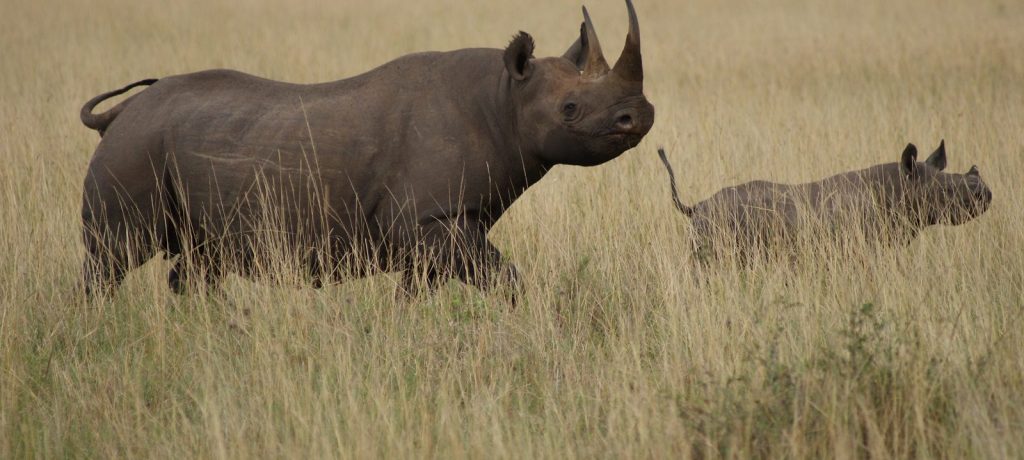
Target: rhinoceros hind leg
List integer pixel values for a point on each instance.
(108, 259)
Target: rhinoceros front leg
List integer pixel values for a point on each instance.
(458, 249)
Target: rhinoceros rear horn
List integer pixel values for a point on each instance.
(630, 65)
(586, 52)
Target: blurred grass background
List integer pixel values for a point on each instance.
(614, 352)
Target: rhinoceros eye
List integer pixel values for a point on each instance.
(569, 109)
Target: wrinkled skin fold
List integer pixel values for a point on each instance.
(405, 167)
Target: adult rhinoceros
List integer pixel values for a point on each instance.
(405, 167)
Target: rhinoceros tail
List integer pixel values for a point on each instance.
(99, 122)
(688, 211)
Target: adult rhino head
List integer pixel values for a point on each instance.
(574, 109)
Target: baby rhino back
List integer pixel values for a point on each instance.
(751, 216)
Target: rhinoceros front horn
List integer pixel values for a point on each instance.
(594, 63)
(630, 65)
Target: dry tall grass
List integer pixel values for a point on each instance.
(614, 351)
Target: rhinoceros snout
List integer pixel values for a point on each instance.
(634, 120)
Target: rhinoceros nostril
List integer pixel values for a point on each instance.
(625, 121)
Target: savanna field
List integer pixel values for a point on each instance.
(614, 350)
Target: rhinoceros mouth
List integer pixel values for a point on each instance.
(624, 140)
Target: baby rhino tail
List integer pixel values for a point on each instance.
(688, 211)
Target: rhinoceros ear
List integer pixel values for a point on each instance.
(518, 55)
(937, 159)
(973, 171)
(909, 160)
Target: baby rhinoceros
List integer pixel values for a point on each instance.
(886, 204)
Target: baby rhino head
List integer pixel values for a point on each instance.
(937, 197)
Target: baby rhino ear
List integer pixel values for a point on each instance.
(909, 160)
(937, 159)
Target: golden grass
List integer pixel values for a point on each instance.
(614, 351)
